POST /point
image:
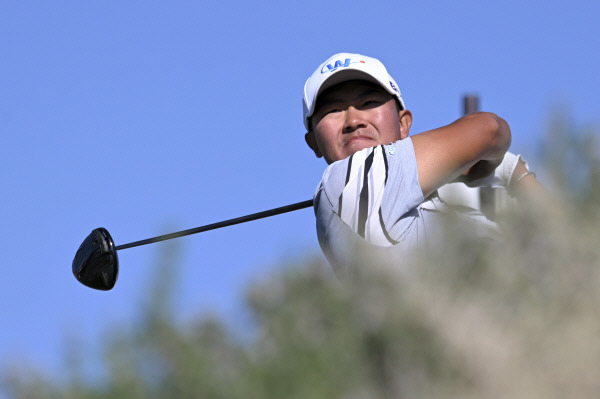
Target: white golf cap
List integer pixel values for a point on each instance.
(341, 68)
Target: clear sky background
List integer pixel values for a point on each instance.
(151, 117)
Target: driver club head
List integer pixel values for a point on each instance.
(96, 264)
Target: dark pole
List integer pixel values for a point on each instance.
(486, 194)
(470, 104)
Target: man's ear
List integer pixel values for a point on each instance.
(405, 122)
(312, 143)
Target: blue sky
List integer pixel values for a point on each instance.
(151, 117)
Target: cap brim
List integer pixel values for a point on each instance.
(345, 75)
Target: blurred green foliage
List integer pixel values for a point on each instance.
(514, 318)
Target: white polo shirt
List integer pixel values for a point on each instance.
(371, 203)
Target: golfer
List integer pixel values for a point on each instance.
(379, 190)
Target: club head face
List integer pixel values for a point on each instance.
(96, 264)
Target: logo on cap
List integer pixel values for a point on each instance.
(393, 86)
(338, 64)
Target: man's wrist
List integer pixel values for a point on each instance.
(520, 173)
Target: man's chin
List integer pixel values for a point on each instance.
(359, 144)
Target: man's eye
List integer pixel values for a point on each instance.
(371, 103)
(332, 111)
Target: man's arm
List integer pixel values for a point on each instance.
(474, 144)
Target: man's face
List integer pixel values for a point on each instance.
(355, 115)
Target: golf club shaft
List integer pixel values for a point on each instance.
(218, 225)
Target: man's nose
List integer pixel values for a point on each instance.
(354, 120)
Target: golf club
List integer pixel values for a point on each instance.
(96, 264)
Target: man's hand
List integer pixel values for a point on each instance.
(478, 172)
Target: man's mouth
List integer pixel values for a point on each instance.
(358, 139)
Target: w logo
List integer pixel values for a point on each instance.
(336, 65)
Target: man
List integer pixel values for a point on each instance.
(379, 190)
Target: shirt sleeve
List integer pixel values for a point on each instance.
(373, 191)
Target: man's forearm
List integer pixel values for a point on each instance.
(474, 144)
